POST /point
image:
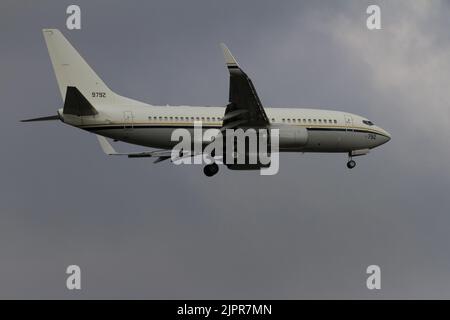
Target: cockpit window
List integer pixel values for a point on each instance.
(368, 122)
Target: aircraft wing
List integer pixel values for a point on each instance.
(161, 155)
(245, 108)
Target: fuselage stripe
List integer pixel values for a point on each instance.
(135, 126)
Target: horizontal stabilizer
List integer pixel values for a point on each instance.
(160, 155)
(48, 118)
(106, 146)
(109, 150)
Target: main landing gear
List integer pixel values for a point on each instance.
(211, 169)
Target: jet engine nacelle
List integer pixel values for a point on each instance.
(293, 137)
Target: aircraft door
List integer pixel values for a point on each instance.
(128, 120)
(127, 124)
(348, 123)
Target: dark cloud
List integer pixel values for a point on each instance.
(140, 230)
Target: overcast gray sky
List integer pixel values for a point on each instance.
(140, 230)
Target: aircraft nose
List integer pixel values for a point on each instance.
(386, 136)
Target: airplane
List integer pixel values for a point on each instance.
(90, 105)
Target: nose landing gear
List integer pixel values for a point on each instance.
(351, 164)
(211, 169)
(355, 153)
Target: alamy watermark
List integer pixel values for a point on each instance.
(374, 280)
(241, 147)
(373, 22)
(73, 281)
(73, 21)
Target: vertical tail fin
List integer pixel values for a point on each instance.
(71, 70)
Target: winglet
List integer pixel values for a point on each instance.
(106, 146)
(229, 59)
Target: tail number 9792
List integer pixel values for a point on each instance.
(98, 95)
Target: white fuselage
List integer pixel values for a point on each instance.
(90, 105)
(152, 126)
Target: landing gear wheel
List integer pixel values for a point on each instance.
(211, 169)
(351, 164)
